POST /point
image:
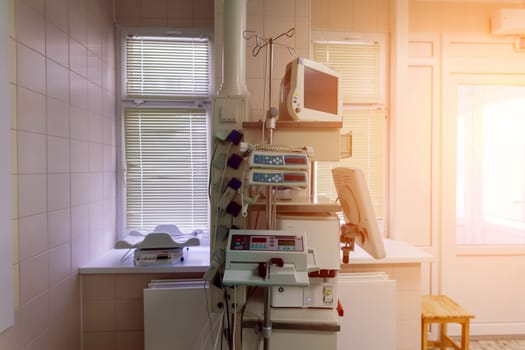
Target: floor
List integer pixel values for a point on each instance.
(491, 343)
(505, 344)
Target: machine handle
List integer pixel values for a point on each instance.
(315, 267)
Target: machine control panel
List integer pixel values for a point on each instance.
(271, 177)
(267, 243)
(262, 159)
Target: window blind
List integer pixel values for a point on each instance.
(167, 67)
(359, 65)
(166, 168)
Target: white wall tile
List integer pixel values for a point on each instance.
(59, 263)
(109, 131)
(31, 153)
(79, 124)
(94, 98)
(79, 156)
(96, 157)
(32, 232)
(78, 91)
(94, 33)
(57, 155)
(78, 20)
(110, 158)
(79, 251)
(58, 227)
(57, 81)
(58, 191)
(79, 189)
(109, 185)
(36, 5)
(34, 317)
(279, 8)
(33, 277)
(30, 27)
(57, 118)
(96, 128)
(80, 221)
(96, 185)
(94, 68)
(108, 104)
(31, 110)
(57, 44)
(30, 69)
(57, 13)
(78, 58)
(96, 217)
(32, 194)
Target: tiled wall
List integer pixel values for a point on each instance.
(270, 18)
(113, 316)
(165, 13)
(63, 136)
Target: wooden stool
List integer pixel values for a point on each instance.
(443, 310)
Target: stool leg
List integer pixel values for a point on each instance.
(465, 335)
(443, 335)
(424, 334)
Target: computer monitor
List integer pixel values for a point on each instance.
(354, 198)
(310, 91)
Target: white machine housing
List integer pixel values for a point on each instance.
(248, 251)
(322, 232)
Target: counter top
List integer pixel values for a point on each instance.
(196, 259)
(397, 252)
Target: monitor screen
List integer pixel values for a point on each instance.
(310, 91)
(320, 91)
(356, 203)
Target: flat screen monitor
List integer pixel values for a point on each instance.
(310, 91)
(356, 203)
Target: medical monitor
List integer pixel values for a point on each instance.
(355, 201)
(310, 91)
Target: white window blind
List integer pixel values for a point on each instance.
(166, 145)
(359, 64)
(167, 67)
(167, 168)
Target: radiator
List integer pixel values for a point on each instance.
(369, 303)
(176, 316)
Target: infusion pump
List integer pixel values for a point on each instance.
(267, 258)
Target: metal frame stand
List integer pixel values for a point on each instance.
(269, 124)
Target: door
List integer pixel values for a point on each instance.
(482, 198)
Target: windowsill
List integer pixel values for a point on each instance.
(196, 259)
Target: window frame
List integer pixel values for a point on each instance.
(122, 32)
(372, 106)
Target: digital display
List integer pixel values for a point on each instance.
(320, 91)
(286, 242)
(295, 160)
(259, 239)
(294, 177)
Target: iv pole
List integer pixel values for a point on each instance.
(269, 123)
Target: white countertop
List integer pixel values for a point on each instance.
(397, 252)
(196, 259)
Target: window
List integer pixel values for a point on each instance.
(361, 64)
(166, 88)
(490, 185)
